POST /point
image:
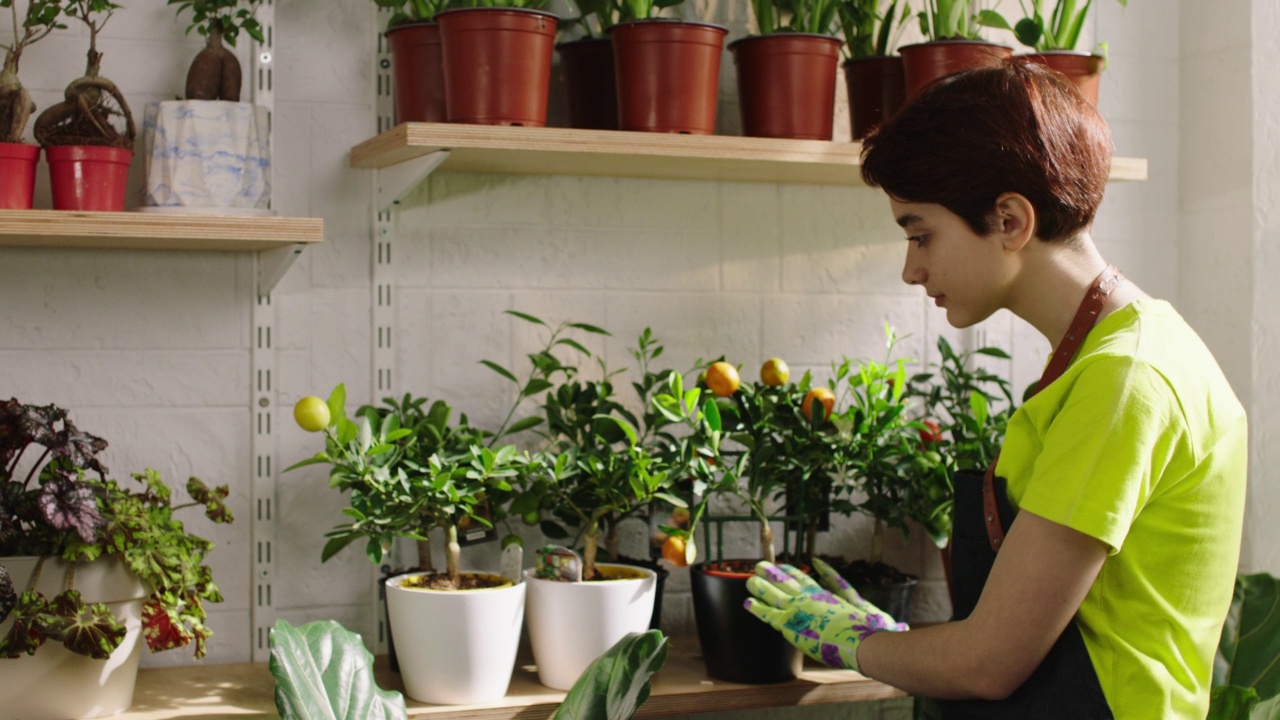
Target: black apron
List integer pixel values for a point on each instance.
(1064, 686)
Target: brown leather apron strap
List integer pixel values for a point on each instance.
(1086, 316)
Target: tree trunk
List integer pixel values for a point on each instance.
(453, 554)
(766, 542)
(591, 542)
(877, 543)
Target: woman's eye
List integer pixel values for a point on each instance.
(918, 239)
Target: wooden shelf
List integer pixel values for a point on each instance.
(277, 240)
(681, 687)
(559, 151)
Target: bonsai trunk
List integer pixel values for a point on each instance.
(766, 542)
(591, 542)
(215, 73)
(83, 118)
(611, 541)
(424, 556)
(453, 554)
(877, 542)
(15, 102)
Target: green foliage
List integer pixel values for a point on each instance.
(617, 683)
(642, 9)
(806, 16)
(407, 11)
(228, 17)
(595, 17)
(1246, 676)
(525, 4)
(50, 508)
(955, 19)
(868, 32)
(407, 470)
(1059, 29)
(40, 19)
(324, 672)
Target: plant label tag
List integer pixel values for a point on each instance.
(511, 563)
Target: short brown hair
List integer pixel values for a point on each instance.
(969, 137)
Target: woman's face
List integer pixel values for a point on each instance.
(958, 268)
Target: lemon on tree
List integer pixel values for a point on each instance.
(311, 413)
(775, 372)
(722, 378)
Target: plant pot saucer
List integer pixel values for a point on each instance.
(193, 210)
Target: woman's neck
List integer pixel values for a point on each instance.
(1053, 280)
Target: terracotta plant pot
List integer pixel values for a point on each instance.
(417, 71)
(497, 65)
(668, 75)
(1081, 68)
(18, 175)
(736, 645)
(787, 84)
(925, 62)
(85, 177)
(590, 83)
(876, 90)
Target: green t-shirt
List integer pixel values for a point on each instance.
(1142, 444)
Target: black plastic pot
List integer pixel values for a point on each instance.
(736, 645)
(894, 599)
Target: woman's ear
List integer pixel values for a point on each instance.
(1015, 220)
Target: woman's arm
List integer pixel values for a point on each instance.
(1040, 577)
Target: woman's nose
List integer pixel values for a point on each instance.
(913, 272)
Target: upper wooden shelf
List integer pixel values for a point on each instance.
(681, 687)
(559, 151)
(278, 240)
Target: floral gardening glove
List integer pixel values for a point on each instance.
(827, 625)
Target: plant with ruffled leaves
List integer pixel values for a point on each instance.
(408, 472)
(50, 507)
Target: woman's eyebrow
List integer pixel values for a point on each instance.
(908, 218)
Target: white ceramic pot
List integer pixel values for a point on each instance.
(455, 647)
(573, 623)
(206, 156)
(56, 683)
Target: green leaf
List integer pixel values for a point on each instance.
(1250, 640)
(322, 671)
(552, 530)
(1028, 32)
(590, 328)
(89, 630)
(335, 545)
(526, 317)
(337, 403)
(524, 424)
(993, 19)
(500, 370)
(617, 683)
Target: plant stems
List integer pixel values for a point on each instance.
(35, 467)
(35, 574)
(590, 544)
(877, 542)
(453, 553)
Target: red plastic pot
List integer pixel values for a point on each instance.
(925, 62)
(668, 75)
(876, 90)
(417, 69)
(787, 84)
(497, 65)
(590, 84)
(1082, 69)
(18, 175)
(85, 177)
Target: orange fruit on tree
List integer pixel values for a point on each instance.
(680, 517)
(774, 372)
(822, 395)
(679, 551)
(722, 378)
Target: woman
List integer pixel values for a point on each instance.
(1120, 484)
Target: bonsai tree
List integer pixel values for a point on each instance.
(407, 472)
(50, 506)
(215, 73)
(869, 32)
(84, 116)
(806, 16)
(40, 19)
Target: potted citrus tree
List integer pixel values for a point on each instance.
(88, 156)
(872, 73)
(18, 159)
(209, 152)
(90, 568)
(1054, 34)
(457, 631)
(417, 65)
(953, 44)
(497, 61)
(787, 73)
(668, 70)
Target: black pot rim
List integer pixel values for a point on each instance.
(521, 11)
(409, 25)
(955, 41)
(784, 35)
(583, 41)
(668, 21)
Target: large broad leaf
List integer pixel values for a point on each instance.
(324, 672)
(617, 683)
(1249, 652)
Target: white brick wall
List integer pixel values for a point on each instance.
(151, 350)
